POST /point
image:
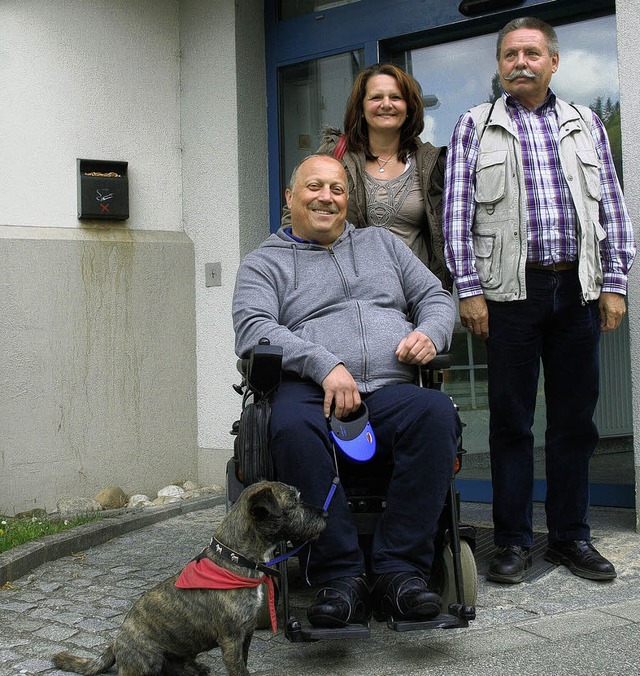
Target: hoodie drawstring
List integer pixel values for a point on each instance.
(294, 247)
(295, 266)
(353, 253)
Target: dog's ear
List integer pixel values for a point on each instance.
(263, 504)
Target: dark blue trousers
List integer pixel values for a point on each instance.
(417, 428)
(554, 326)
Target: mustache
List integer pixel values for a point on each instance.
(520, 72)
(332, 208)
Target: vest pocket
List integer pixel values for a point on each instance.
(590, 164)
(487, 249)
(600, 235)
(491, 177)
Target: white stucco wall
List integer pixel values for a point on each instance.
(223, 112)
(97, 320)
(628, 24)
(92, 79)
(176, 88)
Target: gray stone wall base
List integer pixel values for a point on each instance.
(97, 363)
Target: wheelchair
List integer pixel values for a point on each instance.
(454, 573)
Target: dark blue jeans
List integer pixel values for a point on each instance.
(417, 428)
(553, 326)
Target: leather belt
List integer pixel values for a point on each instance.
(554, 267)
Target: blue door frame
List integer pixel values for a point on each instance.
(382, 29)
(611, 495)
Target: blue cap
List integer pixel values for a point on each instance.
(353, 435)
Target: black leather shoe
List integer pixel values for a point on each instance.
(404, 596)
(343, 601)
(581, 558)
(509, 564)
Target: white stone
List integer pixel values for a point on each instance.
(205, 490)
(166, 499)
(171, 491)
(214, 488)
(139, 500)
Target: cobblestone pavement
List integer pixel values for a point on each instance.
(557, 624)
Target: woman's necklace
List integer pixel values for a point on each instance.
(384, 163)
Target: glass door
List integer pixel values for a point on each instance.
(313, 95)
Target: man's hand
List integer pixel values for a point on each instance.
(474, 315)
(416, 348)
(340, 388)
(612, 310)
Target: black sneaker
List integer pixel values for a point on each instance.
(341, 602)
(404, 596)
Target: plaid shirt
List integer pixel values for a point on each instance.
(551, 216)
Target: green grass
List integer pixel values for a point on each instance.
(16, 532)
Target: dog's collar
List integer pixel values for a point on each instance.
(238, 559)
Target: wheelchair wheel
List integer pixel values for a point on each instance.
(447, 586)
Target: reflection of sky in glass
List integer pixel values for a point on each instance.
(459, 73)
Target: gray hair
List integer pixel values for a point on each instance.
(534, 24)
(294, 173)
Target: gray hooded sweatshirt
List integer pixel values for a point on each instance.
(350, 303)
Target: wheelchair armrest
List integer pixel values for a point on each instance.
(262, 367)
(430, 375)
(439, 362)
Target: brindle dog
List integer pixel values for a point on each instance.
(168, 627)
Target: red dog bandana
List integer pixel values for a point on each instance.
(205, 574)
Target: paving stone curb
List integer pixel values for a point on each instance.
(20, 561)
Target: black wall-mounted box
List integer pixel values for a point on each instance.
(103, 190)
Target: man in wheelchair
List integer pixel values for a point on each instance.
(355, 313)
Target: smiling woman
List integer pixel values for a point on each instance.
(395, 180)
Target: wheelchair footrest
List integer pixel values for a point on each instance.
(464, 612)
(457, 618)
(298, 633)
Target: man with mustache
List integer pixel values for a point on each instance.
(355, 312)
(539, 242)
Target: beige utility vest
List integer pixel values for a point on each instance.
(500, 230)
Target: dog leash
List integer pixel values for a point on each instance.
(265, 568)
